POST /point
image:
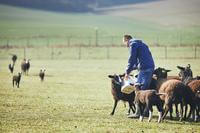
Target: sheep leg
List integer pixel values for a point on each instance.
(131, 107)
(13, 83)
(115, 105)
(167, 107)
(177, 112)
(160, 111)
(141, 112)
(181, 114)
(185, 114)
(150, 113)
(171, 111)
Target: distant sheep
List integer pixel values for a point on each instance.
(16, 80)
(11, 68)
(14, 58)
(42, 74)
(25, 66)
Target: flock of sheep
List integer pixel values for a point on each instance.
(25, 66)
(164, 92)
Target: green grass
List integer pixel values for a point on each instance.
(75, 97)
(19, 26)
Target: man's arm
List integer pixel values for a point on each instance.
(132, 61)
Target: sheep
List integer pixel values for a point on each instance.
(25, 66)
(42, 74)
(146, 99)
(14, 58)
(116, 83)
(176, 92)
(162, 76)
(185, 74)
(16, 79)
(195, 87)
(11, 68)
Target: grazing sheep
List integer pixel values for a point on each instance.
(14, 58)
(116, 83)
(145, 100)
(11, 68)
(178, 93)
(42, 74)
(16, 79)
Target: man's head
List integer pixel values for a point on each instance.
(126, 39)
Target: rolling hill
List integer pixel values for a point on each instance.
(172, 13)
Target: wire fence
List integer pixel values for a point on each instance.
(97, 52)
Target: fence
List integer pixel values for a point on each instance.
(97, 52)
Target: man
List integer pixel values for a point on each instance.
(141, 59)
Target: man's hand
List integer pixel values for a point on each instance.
(126, 76)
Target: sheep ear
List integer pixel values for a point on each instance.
(168, 70)
(181, 68)
(110, 76)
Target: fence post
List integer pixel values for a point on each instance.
(195, 52)
(96, 36)
(24, 53)
(47, 42)
(79, 53)
(68, 40)
(108, 52)
(52, 52)
(7, 45)
(165, 52)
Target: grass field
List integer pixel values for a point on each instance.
(75, 97)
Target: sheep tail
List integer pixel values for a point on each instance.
(161, 94)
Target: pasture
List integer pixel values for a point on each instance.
(75, 97)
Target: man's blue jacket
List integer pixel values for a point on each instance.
(140, 56)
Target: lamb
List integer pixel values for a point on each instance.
(116, 83)
(11, 68)
(42, 74)
(16, 79)
(146, 99)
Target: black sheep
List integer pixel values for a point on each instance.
(16, 79)
(42, 74)
(116, 83)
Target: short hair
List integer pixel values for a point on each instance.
(128, 37)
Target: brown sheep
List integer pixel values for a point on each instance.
(146, 99)
(176, 92)
(195, 87)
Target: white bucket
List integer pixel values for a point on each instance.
(127, 87)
